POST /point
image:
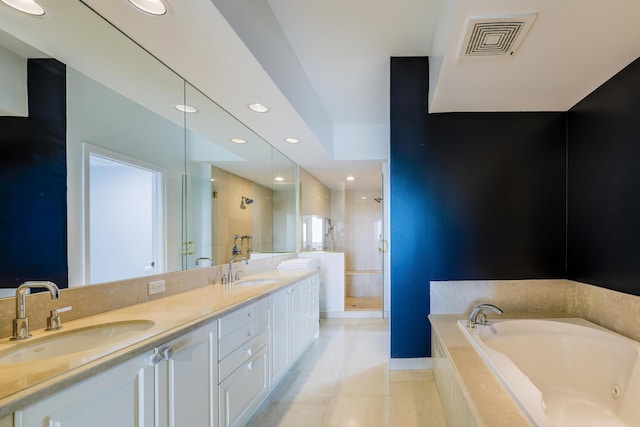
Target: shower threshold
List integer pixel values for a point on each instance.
(363, 303)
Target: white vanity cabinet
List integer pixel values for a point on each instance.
(280, 333)
(310, 308)
(175, 385)
(243, 365)
(6, 421)
(186, 380)
(293, 317)
(121, 396)
(215, 375)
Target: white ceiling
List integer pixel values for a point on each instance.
(572, 48)
(323, 67)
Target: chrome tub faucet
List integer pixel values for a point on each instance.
(478, 312)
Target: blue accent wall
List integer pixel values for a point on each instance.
(604, 173)
(33, 172)
(412, 211)
(473, 196)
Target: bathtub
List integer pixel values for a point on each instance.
(563, 372)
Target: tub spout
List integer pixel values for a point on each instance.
(478, 312)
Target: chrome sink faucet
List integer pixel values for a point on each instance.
(478, 312)
(236, 255)
(21, 322)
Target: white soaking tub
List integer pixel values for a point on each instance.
(564, 372)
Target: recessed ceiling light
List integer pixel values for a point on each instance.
(259, 108)
(26, 6)
(154, 7)
(279, 178)
(363, 197)
(185, 108)
(239, 140)
(350, 178)
(292, 140)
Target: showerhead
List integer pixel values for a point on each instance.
(245, 201)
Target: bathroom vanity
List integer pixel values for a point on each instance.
(210, 358)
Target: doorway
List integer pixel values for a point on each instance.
(364, 278)
(124, 218)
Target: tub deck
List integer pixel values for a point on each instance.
(471, 393)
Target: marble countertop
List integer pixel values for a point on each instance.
(488, 400)
(22, 384)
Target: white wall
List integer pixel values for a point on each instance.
(13, 84)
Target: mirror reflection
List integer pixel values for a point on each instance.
(125, 166)
(241, 192)
(142, 187)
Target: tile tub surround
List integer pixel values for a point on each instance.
(527, 296)
(94, 299)
(471, 394)
(26, 383)
(613, 310)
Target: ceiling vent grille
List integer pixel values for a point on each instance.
(489, 36)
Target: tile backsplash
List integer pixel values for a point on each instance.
(94, 299)
(611, 309)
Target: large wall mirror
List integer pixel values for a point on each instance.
(241, 191)
(150, 188)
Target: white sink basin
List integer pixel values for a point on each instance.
(73, 341)
(256, 282)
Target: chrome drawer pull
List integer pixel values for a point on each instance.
(250, 366)
(154, 359)
(249, 352)
(167, 353)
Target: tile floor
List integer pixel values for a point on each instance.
(344, 380)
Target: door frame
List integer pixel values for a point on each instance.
(159, 206)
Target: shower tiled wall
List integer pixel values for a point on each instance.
(229, 218)
(362, 231)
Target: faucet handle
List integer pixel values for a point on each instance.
(483, 318)
(54, 322)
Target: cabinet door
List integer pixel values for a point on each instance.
(279, 326)
(187, 380)
(244, 390)
(6, 421)
(121, 396)
(297, 343)
(311, 309)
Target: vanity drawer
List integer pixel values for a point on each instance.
(248, 322)
(241, 355)
(230, 323)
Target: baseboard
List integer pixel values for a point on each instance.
(402, 364)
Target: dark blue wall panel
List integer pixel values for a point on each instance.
(604, 172)
(497, 181)
(33, 195)
(412, 211)
(473, 196)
